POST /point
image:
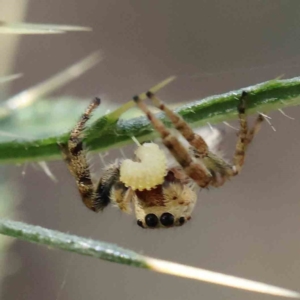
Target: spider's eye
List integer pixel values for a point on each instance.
(151, 220)
(181, 220)
(167, 219)
(140, 223)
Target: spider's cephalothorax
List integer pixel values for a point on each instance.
(163, 195)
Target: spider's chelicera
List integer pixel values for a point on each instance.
(163, 195)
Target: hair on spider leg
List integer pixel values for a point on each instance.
(267, 119)
(215, 139)
(265, 116)
(163, 194)
(41, 165)
(102, 157)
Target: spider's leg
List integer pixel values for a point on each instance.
(245, 136)
(75, 157)
(109, 188)
(219, 169)
(196, 171)
(187, 132)
(255, 129)
(241, 144)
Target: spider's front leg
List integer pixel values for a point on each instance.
(75, 157)
(109, 187)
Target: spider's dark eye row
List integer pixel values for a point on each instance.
(181, 220)
(140, 223)
(151, 220)
(167, 219)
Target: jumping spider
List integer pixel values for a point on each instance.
(163, 195)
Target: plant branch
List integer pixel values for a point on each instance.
(113, 253)
(110, 132)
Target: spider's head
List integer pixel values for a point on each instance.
(161, 198)
(165, 206)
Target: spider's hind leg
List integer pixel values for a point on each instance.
(197, 171)
(245, 136)
(187, 132)
(218, 169)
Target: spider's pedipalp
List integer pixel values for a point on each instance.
(108, 187)
(187, 132)
(147, 171)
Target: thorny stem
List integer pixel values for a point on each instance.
(110, 132)
(113, 253)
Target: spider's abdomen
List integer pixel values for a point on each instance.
(146, 173)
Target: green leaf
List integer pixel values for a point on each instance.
(110, 131)
(47, 117)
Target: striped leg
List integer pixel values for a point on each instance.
(196, 171)
(240, 147)
(245, 136)
(255, 129)
(74, 155)
(187, 132)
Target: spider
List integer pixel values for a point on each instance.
(163, 195)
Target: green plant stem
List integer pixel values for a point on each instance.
(71, 243)
(107, 132)
(113, 253)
